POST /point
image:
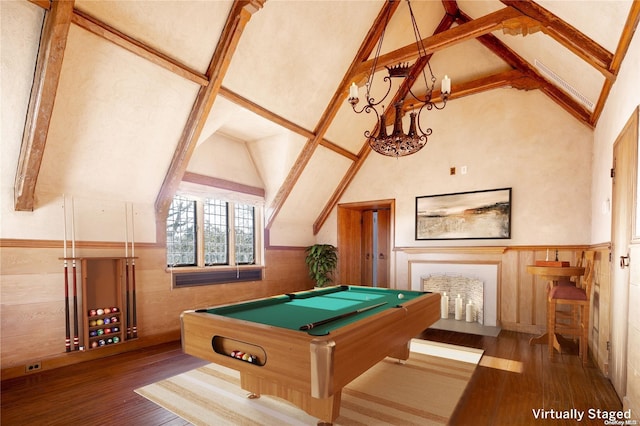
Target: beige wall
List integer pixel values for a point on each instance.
(505, 138)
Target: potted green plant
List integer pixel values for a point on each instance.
(322, 260)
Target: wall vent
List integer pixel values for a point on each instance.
(572, 91)
(191, 279)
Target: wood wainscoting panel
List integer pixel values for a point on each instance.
(32, 315)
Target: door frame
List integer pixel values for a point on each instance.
(349, 239)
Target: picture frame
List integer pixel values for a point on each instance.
(472, 215)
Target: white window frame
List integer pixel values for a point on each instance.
(258, 234)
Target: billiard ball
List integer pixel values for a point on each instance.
(92, 313)
(100, 311)
(115, 329)
(400, 296)
(107, 311)
(94, 344)
(92, 323)
(114, 309)
(107, 331)
(100, 332)
(114, 319)
(116, 339)
(107, 320)
(101, 342)
(99, 322)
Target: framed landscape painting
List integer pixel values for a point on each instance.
(464, 215)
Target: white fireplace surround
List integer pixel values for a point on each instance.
(485, 272)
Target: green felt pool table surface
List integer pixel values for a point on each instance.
(294, 310)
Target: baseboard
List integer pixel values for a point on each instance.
(69, 358)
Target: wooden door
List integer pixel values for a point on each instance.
(623, 192)
(375, 247)
(383, 225)
(349, 246)
(368, 256)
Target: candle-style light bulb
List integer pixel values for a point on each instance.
(353, 91)
(446, 85)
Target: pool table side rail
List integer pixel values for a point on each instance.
(360, 345)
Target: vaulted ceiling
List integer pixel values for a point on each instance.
(128, 97)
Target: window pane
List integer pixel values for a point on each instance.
(216, 241)
(245, 237)
(181, 232)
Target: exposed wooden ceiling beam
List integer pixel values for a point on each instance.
(45, 4)
(363, 54)
(514, 60)
(53, 43)
(103, 30)
(464, 32)
(263, 112)
(623, 46)
(241, 12)
(508, 79)
(590, 51)
(279, 120)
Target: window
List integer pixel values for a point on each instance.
(181, 232)
(219, 246)
(244, 234)
(216, 243)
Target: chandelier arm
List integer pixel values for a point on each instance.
(372, 102)
(441, 107)
(427, 132)
(427, 98)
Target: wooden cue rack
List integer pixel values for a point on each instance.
(104, 285)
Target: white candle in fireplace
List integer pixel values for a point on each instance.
(469, 312)
(444, 305)
(458, 312)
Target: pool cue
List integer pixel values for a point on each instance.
(133, 274)
(337, 317)
(126, 262)
(67, 340)
(76, 341)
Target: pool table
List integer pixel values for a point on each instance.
(305, 347)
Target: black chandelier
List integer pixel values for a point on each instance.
(398, 143)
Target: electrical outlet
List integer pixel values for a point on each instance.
(33, 367)
(452, 171)
(463, 170)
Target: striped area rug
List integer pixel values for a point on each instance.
(422, 391)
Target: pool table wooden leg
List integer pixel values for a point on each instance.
(324, 409)
(402, 353)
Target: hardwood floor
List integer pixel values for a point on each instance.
(524, 379)
(101, 392)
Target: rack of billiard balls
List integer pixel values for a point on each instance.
(104, 326)
(244, 357)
